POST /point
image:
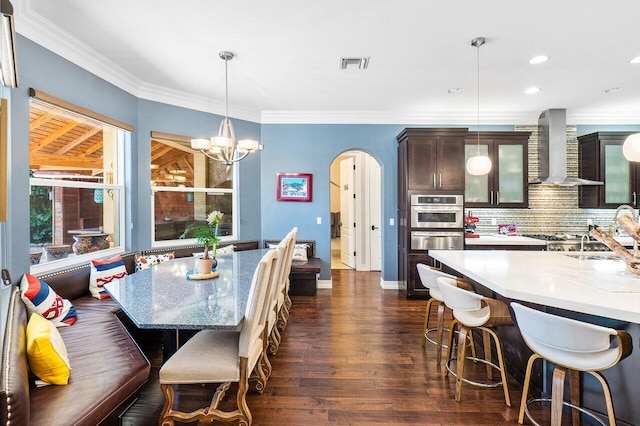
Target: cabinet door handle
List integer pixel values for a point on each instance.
(491, 202)
(440, 178)
(634, 198)
(434, 180)
(497, 197)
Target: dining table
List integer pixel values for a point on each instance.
(166, 296)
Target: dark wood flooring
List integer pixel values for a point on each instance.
(350, 356)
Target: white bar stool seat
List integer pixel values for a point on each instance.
(570, 345)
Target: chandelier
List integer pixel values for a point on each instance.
(478, 164)
(224, 147)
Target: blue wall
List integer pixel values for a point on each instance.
(48, 72)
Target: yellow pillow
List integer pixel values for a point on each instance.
(46, 352)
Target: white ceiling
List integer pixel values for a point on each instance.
(286, 67)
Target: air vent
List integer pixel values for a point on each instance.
(354, 63)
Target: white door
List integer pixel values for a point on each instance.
(347, 213)
(375, 214)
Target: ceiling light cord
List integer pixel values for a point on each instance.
(478, 164)
(224, 147)
(478, 76)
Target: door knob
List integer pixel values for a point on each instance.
(373, 227)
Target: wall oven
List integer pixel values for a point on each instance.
(437, 240)
(437, 211)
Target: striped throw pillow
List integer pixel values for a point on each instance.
(104, 271)
(38, 297)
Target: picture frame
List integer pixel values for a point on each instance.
(294, 187)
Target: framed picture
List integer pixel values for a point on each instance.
(294, 187)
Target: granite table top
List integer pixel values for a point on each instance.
(162, 297)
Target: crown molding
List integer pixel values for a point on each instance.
(381, 117)
(41, 31)
(604, 117)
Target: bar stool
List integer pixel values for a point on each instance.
(571, 345)
(474, 311)
(428, 277)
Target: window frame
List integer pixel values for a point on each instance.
(234, 191)
(124, 132)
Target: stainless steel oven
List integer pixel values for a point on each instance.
(437, 211)
(437, 240)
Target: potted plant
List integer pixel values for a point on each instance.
(207, 235)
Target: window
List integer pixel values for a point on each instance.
(187, 186)
(76, 184)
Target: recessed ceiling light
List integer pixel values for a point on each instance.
(354, 63)
(612, 90)
(538, 59)
(635, 60)
(454, 90)
(532, 90)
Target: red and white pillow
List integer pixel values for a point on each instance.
(104, 271)
(40, 298)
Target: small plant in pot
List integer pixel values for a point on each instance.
(207, 235)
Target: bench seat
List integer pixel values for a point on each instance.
(304, 275)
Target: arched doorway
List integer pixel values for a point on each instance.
(355, 210)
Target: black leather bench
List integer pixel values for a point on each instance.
(304, 275)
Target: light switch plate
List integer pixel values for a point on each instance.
(392, 222)
(319, 220)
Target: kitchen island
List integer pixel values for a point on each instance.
(592, 288)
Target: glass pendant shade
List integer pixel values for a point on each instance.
(200, 143)
(479, 165)
(631, 148)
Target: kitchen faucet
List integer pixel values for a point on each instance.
(633, 216)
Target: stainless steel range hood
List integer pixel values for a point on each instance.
(552, 151)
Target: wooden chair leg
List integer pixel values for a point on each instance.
(574, 388)
(452, 328)
(557, 395)
(607, 396)
(501, 364)
(525, 387)
(439, 332)
(425, 327)
(462, 352)
(486, 343)
(169, 396)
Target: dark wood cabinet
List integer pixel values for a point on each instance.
(434, 159)
(505, 186)
(600, 159)
(430, 161)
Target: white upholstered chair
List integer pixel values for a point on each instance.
(571, 345)
(474, 311)
(218, 356)
(428, 278)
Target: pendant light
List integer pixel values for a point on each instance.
(631, 148)
(478, 164)
(224, 147)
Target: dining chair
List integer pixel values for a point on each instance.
(570, 345)
(284, 313)
(220, 356)
(269, 315)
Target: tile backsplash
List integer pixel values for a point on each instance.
(551, 209)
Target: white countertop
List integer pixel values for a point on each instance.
(594, 286)
(498, 240)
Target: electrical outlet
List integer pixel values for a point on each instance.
(494, 221)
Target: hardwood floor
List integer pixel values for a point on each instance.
(351, 356)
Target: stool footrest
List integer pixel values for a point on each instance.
(484, 361)
(566, 404)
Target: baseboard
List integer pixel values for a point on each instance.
(390, 285)
(325, 284)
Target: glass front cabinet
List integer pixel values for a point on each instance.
(600, 158)
(506, 184)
